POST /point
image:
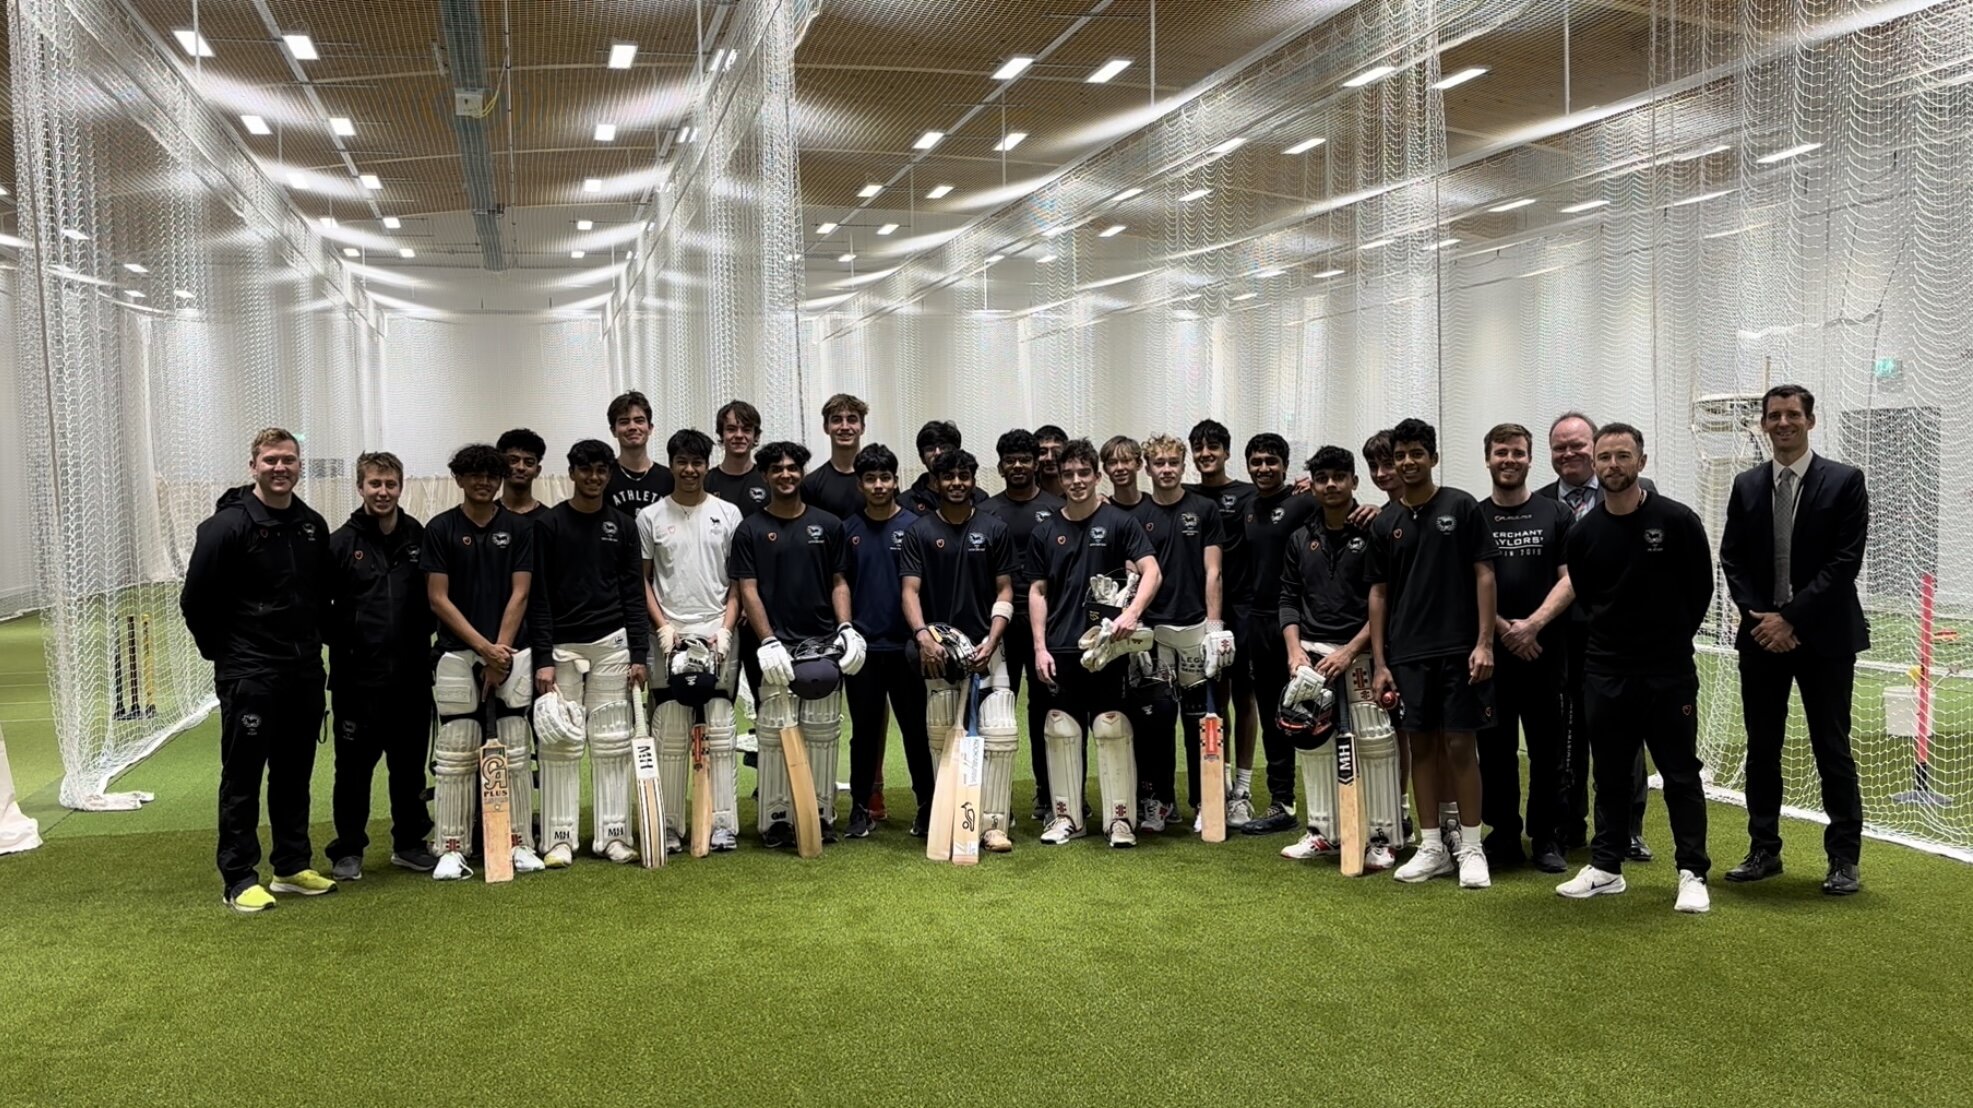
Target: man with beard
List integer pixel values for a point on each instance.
(936, 437)
(1023, 506)
(1049, 440)
(736, 479)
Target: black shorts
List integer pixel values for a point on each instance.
(1437, 696)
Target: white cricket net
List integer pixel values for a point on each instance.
(1724, 196)
(169, 304)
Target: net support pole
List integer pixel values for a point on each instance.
(1921, 771)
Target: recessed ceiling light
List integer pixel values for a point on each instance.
(341, 125)
(722, 60)
(1374, 73)
(371, 181)
(194, 44)
(392, 222)
(1512, 204)
(938, 192)
(846, 257)
(134, 294)
(328, 221)
(1229, 146)
(592, 184)
(1044, 259)
(1128, 193)
(135, 267)
(1791, 152)
(301, 46)
(1195, 194)
(887, 228)
(585, 224)
(1269, 272)
(1051, 232)
(578, 254)
(1108, 70)
(1111, 231)
(183, 295)
(351, 252)
(1013, 67)
(606, 132)
(256, 125)
(1374, 244)
(688, 134)
(1584, 206)
(1304, 146)
(4, 192)
(825, 229)
(1244, 296)
(296, 180)
(1443, 243)
(72, 233)
(1010, 141)
(1700, 199)
(406, 252)
(1328, 273)
(622, 54)
(928, 140)
(870, 190)
(1460, 77)
(992, 258)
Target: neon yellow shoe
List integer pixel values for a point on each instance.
(307, 883)
(251, 899)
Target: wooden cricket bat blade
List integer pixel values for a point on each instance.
(650, 801)
(497, 831)
(701, 795)
(1349, 806)
(1212, 780)
(945, 788)
(966, 808)
(808, 816)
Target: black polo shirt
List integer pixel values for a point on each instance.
(794, 563)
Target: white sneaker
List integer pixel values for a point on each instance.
(560, 856)
(1379, 858)
(673, 844)
(1590, 881)
(1198, 823)
(619, 852)
(748, 743)
(1431, 860)
(1121, 836)
(1310, 845)
(1240, 809)
(723, 840)
(1693, 896)
(1473, 872)
(527, 861)
(1151, 815)
(452, 867)
(1060, 830)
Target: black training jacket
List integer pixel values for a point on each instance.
(380, 623)
(256, 592)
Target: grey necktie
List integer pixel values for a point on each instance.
(1784, 534)
(1578, 499)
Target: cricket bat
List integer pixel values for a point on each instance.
(808, 816)
(701, 794)
(1349, 805)
(966, 802)
(497, 831)
(1212, 774)
(650, 797)
(945, 789)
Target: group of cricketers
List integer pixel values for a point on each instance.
(1436, 631)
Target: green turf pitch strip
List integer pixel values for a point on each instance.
(1172, 973)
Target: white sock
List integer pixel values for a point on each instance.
(1243, 780)
(1470, 836)
(1430, 839)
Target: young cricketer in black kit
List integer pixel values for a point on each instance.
(638, 481)
(936, 437)
(833, 485)
(1192, 642)
(524, 451)
(1212, 448)
(1642, 570)
(1087, 538)
(957, 566)
(790, 562)
(255, 598)
(1049, 440)
(478, 560)
(590, 637)
(876, 537)
(1532, 584)
(1274, 514)
(380, 654)
(1431, 633)
(1023, 506)
(736, 479)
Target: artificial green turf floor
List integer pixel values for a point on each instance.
(1170, 974)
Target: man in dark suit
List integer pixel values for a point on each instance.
(1570, 439)
(1795, 533)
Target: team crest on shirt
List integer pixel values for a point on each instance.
(501, 539)
(609, 530)
(1315, 544)
(1227, 501)
(349, 728)
(814, 533)
(1445, 524)
(465, 540)
(1276, 514)
(308, 530)
(1041, 515)
(1397, 533)
(897, 541)
(251, 722)
(1099, 536)
(358, 555)
(263, 532)
(773, 536)
(939, 543)
(1356, 544)
(975, 541)
(1188, 524)
(1654, 539)
(856, 540)
(411, 552)
(758, 494)
(1061, 540)
(1685, 709)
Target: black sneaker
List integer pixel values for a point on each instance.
(859, 822)
(1277, 819)
(829, 832)
(347, 869)
(1548, 858)
(418, 859)
(1503, 853)
(921, 823)
(778, 836)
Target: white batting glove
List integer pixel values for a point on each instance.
(667, 639)
(722, 642)
(853, 649)
(776, 667)
(1305, 686)
(1219, 649)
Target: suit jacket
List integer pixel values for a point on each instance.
(1832, 522)
(1553, 490)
